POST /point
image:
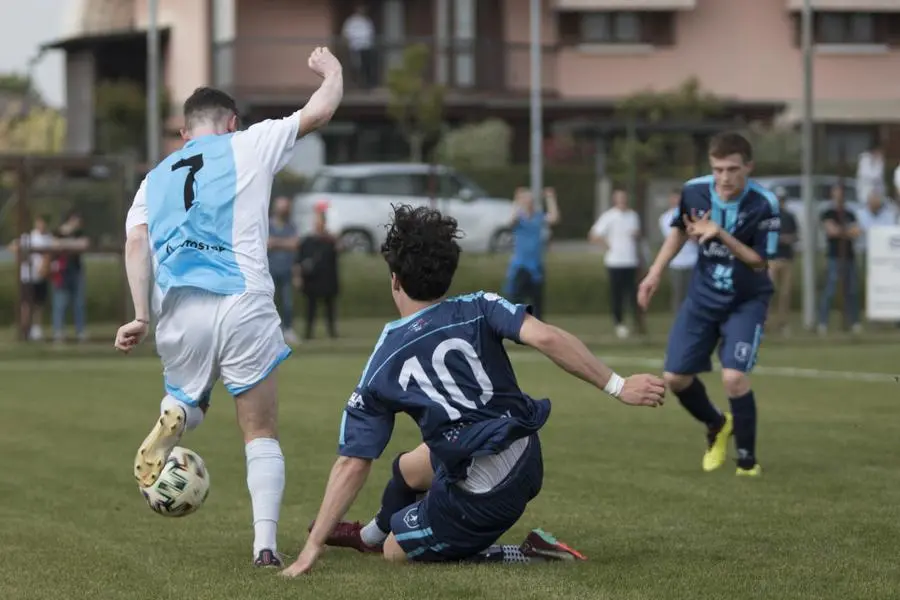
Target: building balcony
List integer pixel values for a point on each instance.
(263, 70)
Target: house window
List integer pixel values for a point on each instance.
(847, 28)
(616, 27)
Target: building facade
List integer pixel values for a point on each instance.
(595, 52)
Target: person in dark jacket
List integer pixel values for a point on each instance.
(316, 273)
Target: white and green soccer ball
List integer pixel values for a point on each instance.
(182, 487)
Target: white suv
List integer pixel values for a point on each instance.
(360, 196)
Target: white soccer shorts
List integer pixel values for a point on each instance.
(202, 337)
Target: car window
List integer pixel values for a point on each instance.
(394, 184)
(329, 184)
(321, 184)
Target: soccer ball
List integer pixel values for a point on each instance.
(182, 486)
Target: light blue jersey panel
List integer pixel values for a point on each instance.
(190, 207)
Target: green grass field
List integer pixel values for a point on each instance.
(622, 484)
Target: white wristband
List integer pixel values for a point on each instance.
(614, 386)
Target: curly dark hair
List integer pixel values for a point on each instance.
(421, 250)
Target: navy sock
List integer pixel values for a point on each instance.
(397, 496)
(696, 401)
(743, 408)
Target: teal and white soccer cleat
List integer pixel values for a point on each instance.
(153, 453)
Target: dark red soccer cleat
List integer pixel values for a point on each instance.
(347, 534)
(541, 545)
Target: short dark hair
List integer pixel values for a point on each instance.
(421, 250)
(208, 103)
(728, 143)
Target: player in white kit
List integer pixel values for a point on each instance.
(200, 224)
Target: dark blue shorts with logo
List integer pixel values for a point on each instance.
(450, 524)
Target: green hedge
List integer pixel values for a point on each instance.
(576, 285)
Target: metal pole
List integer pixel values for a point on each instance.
(811, 226)
(153, 115)
(537, 133)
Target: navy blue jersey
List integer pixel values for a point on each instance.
(720, 280)
(446, 367)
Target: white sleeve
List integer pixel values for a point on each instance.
(272, 140)
(137, 214)
(600, 227)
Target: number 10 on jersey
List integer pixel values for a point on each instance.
(413, 371)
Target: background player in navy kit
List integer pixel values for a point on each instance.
(736, 222)
(444, 364)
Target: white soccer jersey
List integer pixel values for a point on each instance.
(207, 210)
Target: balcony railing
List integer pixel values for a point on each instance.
(277, 66)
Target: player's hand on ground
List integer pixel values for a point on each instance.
(304, 562)
(646, 290)
(323, 62)
(130, 335)
(643, 390)
(702, 229)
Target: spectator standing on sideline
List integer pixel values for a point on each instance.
(359, 33)
(525, 274)
(682, 265)
(68, 277)
(33, 272)
(875, 213)
(283, 244)
(870, 172)
(842, 230)
(781, 270)
(618, 233)
(316, 273)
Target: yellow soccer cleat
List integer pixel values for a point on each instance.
(754, 471)
(717, 451)
(153, 453)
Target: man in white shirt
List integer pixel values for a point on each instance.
(875, 213)
(682, 265)
(196, 239)
(870, 173)
(359, 33)
(618, 232)
(33, 273)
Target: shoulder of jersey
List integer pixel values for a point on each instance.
(698, 185)
(767, 194)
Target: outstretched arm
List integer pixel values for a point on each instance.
(570, 353)
(322, 104)
(348, 475)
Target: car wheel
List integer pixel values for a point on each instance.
(357, 241)
(502, 241)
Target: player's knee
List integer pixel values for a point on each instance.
(676, 381)
(415, 468)
(193, 415)
(257, 411)
(736, 383)
(392, 551)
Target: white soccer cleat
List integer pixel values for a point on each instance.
(153, 453)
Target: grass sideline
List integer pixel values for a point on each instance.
(622, 484)
(576, 285)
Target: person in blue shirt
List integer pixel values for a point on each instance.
(444, 364)
(736, 222)
(525, 274)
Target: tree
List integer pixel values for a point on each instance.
(663, 154)
(416, 105)
(121, 116)
(484, 145)
(41, 131)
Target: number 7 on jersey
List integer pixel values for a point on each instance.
(194, 164)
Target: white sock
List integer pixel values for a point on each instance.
(193, 415)
(265, 480)
(372, 535)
